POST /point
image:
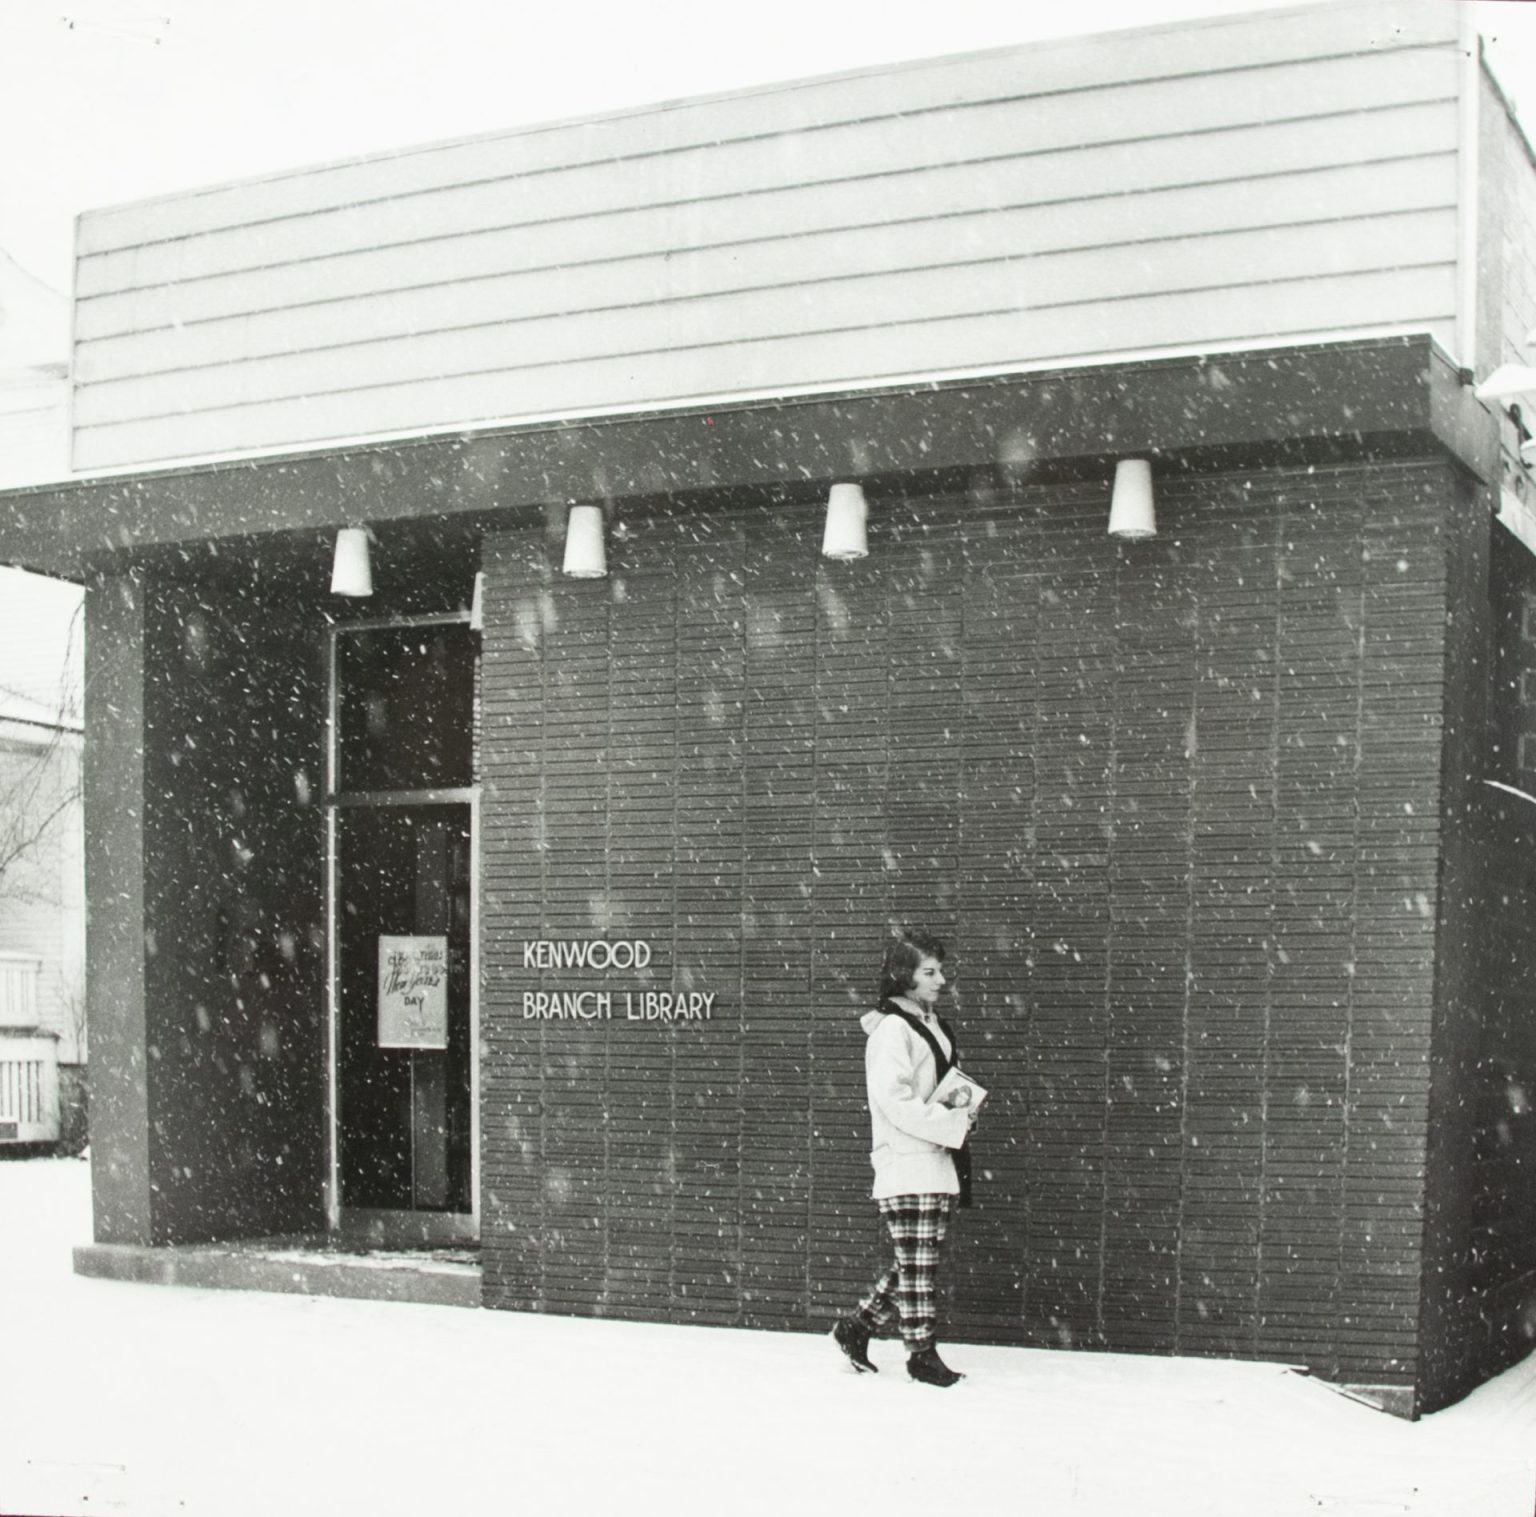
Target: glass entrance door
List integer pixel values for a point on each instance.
(402, 830)
(404, 1041)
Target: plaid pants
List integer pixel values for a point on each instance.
(917, 1225)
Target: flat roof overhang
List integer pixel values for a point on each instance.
(1399, 396)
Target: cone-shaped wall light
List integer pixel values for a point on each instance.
(586, 554)
(351, 568)
(846, 534)
(1131, 512)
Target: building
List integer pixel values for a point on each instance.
(542, 917)
(42, 895)
(42, 873)
(34, 388)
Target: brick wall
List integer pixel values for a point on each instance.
(234, 958)
(1493, 1273)
(1175, 806)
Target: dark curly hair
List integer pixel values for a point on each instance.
(905, 951)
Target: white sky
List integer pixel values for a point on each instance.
(105, 101)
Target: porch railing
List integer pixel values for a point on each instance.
(29, 1088)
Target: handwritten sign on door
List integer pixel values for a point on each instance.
(413, 992)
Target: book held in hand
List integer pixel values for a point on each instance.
(958, 1090)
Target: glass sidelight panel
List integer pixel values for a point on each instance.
(405, 707)
(403, 1043)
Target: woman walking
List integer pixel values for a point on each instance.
(918, 1154)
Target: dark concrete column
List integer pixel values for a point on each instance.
(114, 875)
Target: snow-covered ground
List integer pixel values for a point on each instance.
(120, 1398)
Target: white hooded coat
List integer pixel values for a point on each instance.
(911, 1138)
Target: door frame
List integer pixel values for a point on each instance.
(384, 1228)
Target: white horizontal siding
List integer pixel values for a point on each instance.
(634, 274)
(1011, 208)
(1250, 161)
(883, 149)
(676, 315)
(1509, 171)
(1301, 310)
(1086, 177)
(1043, 69)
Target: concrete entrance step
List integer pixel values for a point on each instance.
(295, 1266)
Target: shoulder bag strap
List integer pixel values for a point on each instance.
(915, 1023)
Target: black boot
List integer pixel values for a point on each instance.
(852, 1337)
(925, 1365)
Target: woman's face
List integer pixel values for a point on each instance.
(927, 980)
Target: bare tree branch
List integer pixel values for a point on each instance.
(39, 783)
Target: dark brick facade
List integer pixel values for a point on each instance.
(1490, 1321)
(1175, 805)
